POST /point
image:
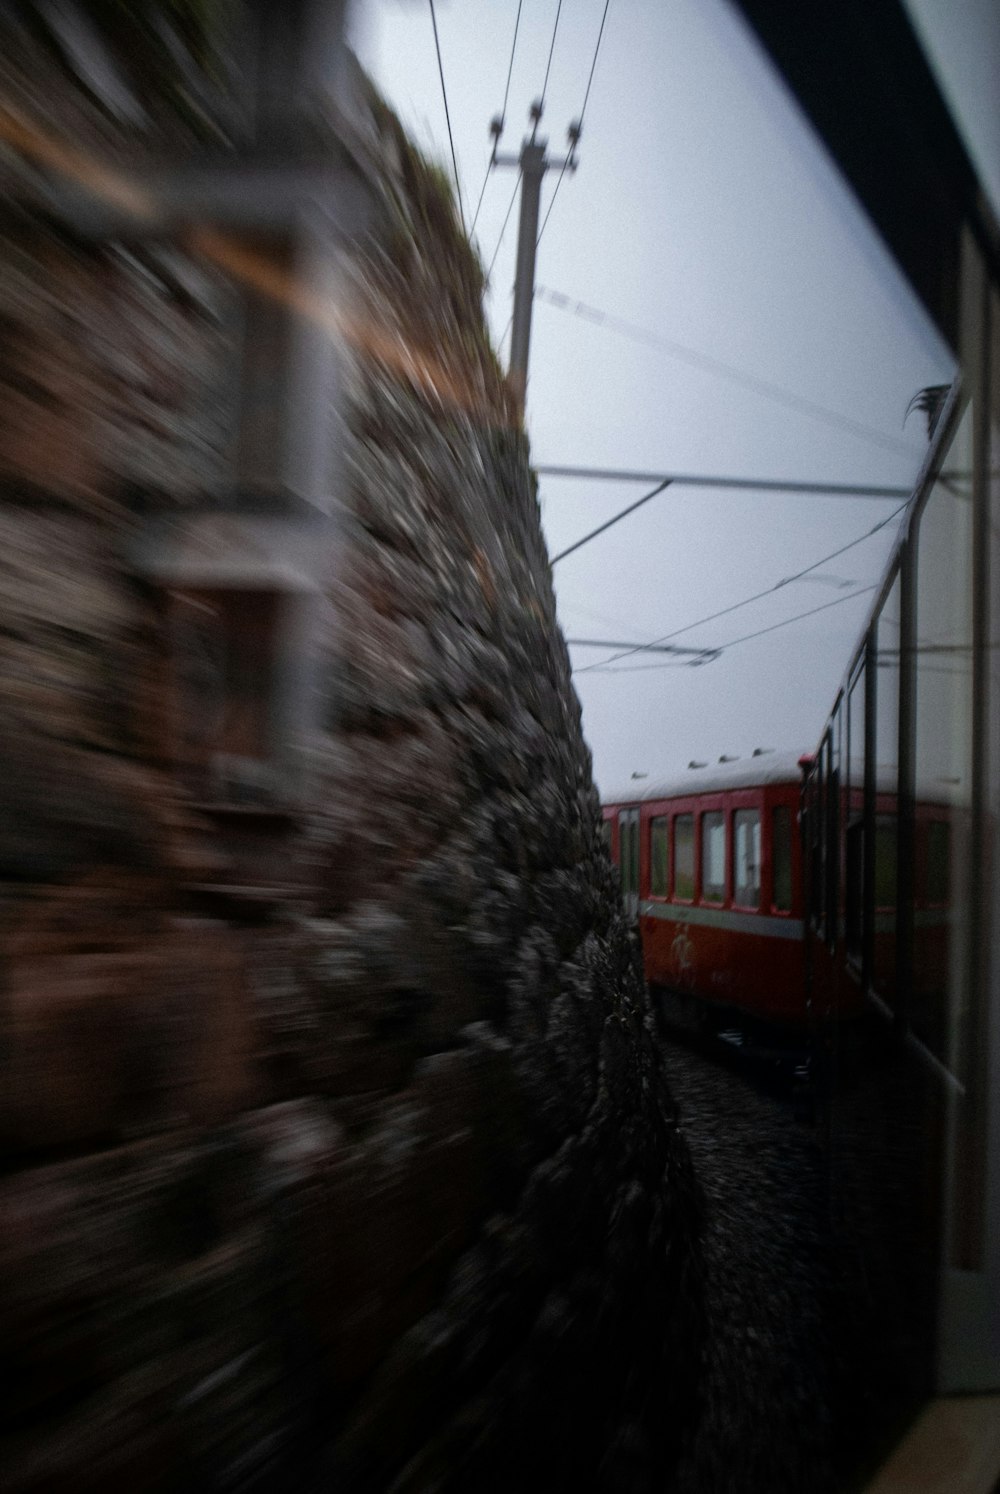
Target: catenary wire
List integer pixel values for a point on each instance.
(754, 484)
(616, 519)
(503, 115)
(704, 361)
(757, 596)
(605, 668)
(447, 116)
(586, 96)
(667, 480)
(705, 480)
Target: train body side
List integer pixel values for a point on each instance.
(713, 876)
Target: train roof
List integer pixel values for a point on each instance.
(764, 767)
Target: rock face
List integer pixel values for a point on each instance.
(337, 1149)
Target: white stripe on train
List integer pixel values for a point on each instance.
(724, 918)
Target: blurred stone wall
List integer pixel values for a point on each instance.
(369, 1178)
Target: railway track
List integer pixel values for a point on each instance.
(774, 1062)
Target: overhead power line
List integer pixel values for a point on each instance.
(593, 64)
(502, 116)
(447, 115)
(586, 96)
(503, 229)
(552, 48)
(704, 361)
(552, 199)
(510, 65)
(757, 596)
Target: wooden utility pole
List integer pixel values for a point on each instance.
(533, 163)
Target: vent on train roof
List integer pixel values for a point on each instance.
(729, 757)
(693, 764)
(761, 751)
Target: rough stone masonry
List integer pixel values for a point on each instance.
(337, 1151)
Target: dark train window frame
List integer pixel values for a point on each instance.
(785, 841)
(855, 836)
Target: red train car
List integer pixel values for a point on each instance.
(711, 870)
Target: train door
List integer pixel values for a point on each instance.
(628, 836)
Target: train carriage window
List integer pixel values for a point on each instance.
(746, 875)
(938, 863)
(606, 834)
(854, 854)
(886, 859)
(815, 833)
(781, 858)
(713, 857)
(658, 856)
(625, 858)
(888, 654)
(684, 858)
(941, 953)
(854, 883)
(831, 828)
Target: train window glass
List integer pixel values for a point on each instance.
(855, 764)
(831, 829)
(942, 753)
(938, 852)
(854, 847)
(713, 857)
(658, 856)
(816, 828)
(625, 859)
(606, 834)
(781, 858)
(854, 870)
(942, 740)
(886, 857)
(888, 645)
(810, 817)
(684, 857)
(746, 871)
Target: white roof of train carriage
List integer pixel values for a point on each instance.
(711, 778)
(770, 768)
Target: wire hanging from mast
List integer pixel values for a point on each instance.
(496, 129)
(579, 123)
(447, 116)
(498, 121)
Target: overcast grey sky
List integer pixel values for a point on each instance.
(704, 213)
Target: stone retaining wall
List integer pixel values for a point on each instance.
(370, 1179)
